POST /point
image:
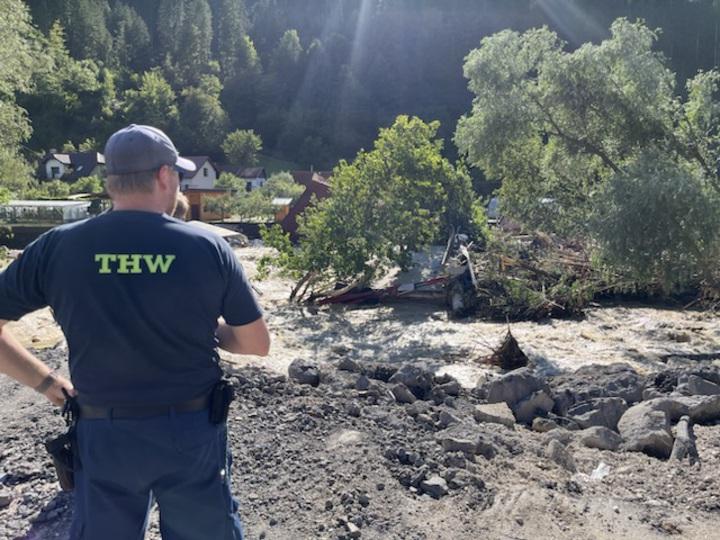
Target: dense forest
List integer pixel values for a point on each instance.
(316, 79)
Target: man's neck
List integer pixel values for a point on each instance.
(142, 203)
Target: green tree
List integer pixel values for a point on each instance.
(230, 181)
(153, 102)
(185, 36)
(203, 121)
(241, 147)
(131, 39)
(88, 184)
(386, 204)
(68, 94)
(282, 184)
(555, 125)
(659, 221)
(230, 25)
(85, 22)
(19, 54)
(240, 95)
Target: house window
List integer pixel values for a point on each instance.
(54, 172)
(248, 186)
(205, 171)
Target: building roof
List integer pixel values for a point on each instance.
(281, 201)
(306, 177)
(220, 231)
(199, 161)
(83, 164)
(45, 204)
(252, 172)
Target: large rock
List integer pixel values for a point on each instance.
(418, 379)
(513, 387)
(693, 385)
(600, 437)
(536, 404)
(494, 413)
(467, 439)
(304, 372)
(434, 486)
(596, 381)
(646, 428)
(598, 412)
(557, 452)
(403, 394)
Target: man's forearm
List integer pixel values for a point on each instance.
(251, 338)
(17, 362)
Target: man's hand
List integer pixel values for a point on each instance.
(17, 362)
(55, 391)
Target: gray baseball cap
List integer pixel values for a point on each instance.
(139, 148)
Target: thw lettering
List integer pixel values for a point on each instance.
(133, 263)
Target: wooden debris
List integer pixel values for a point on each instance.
(684, 447)
(509, 355)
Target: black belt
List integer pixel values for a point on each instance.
(193, 405)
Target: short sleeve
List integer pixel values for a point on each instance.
(21, 284)
(240, 306)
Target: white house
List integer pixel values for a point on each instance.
(72, 165)
(254, 177)
(205, 175)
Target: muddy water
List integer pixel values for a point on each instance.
(644, 337)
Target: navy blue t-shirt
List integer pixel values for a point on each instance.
(137, 295)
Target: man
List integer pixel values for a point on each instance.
(139, 295)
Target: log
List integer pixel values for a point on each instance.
(684, 446)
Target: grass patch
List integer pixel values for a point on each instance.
(274, 165)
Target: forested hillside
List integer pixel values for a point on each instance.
(316, 79)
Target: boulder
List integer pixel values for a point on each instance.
(561, 435)
(451, 388)
(514, 387)
(416, 378)
(697, 386)
(557, 452)
(598, 412)
(467, 439)
(600, 437)
(536, 404)
(495, 413)
(402, 393)
(446, 419)
(596, 381)
(646, 428)
(347, 364)
(543, 425)
(304, 372)
(435, 486)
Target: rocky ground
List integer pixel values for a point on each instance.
(384, 423)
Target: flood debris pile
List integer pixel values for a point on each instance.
(348, 448)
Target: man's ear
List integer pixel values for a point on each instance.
(164, 177)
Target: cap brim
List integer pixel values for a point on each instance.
(185, 164)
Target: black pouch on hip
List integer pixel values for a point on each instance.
(221, 396)
(61, 451)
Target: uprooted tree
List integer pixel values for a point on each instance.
(596, 144)
(389, 202)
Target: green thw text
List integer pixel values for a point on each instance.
(133, 263)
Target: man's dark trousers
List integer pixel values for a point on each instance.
(180, 460)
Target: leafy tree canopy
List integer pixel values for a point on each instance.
(241, 147)
(387, 203)
(555, 125)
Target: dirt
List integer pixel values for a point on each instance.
(335, 461)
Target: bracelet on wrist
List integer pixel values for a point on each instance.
(46, 383)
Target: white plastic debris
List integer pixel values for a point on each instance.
(600, 472)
